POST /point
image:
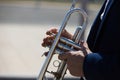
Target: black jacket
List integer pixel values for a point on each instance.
(104, 42)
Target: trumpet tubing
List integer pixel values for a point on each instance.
(62, 44)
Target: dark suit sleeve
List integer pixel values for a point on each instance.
(101, 67)
(104, 62)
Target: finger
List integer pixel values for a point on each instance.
(64, 56)
(81, 42)
(46, 44)
(51, 31)
(47, 41)
(84, 47)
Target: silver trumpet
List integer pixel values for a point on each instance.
(61, 44)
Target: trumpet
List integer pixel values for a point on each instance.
(61, 44)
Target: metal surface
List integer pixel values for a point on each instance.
(61, 71)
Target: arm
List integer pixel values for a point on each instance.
(101, 67)
(94, 66)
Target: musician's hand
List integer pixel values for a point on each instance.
(75, 59)
(47, 41)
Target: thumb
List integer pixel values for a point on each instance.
(63, 56)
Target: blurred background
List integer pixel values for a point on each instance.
(23, 24)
